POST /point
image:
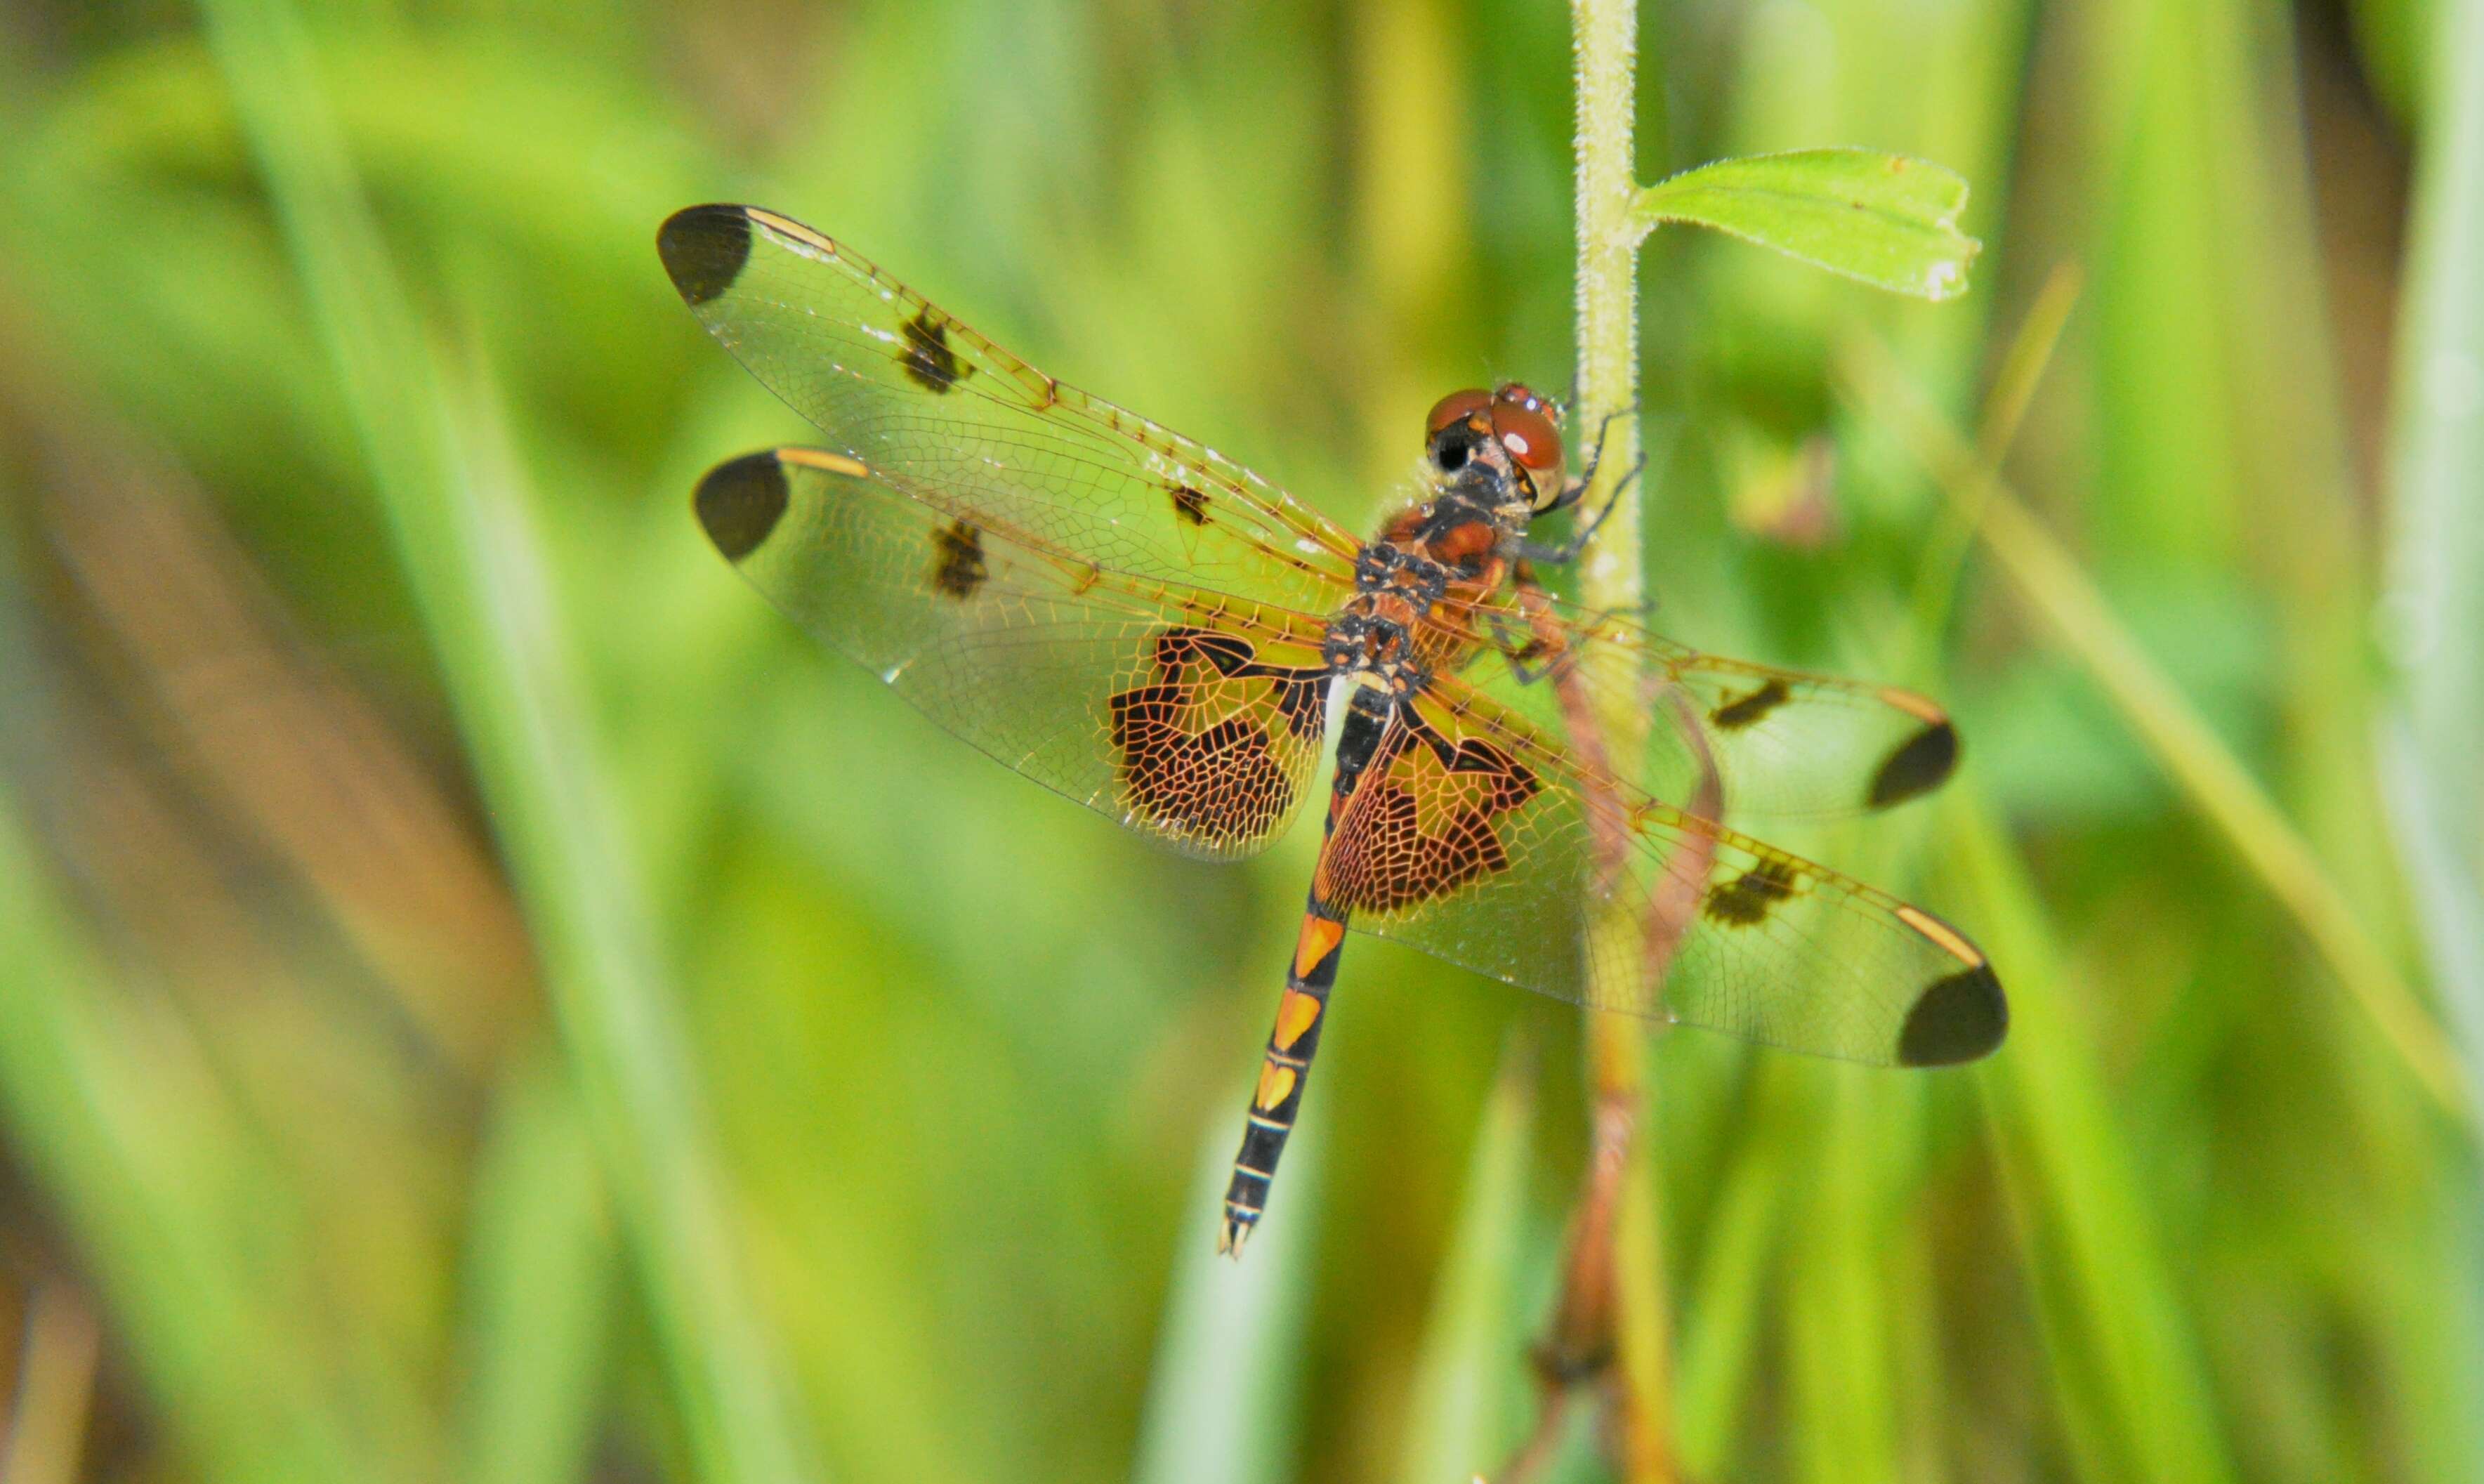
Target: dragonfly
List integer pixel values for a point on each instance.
(1148, 627)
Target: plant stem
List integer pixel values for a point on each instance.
(1604, 37)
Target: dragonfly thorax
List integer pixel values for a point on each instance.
(1372, 635)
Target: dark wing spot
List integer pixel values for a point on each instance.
(957, 565)
(1919, 766)
(929, 361)
(1747, 899)
(1190, 503)
(1180, 645)
(1303, 700)
(704, 248)
(741, 503)
(1512, 784)
(1959, 1018)
(1300, 691)
(1735, 714)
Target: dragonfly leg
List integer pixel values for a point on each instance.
(1569, 551)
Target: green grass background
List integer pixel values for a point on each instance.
(482, 999)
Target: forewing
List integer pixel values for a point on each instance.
(1190, 716)
(1475, 836)
(935, 410)
(1787, 744)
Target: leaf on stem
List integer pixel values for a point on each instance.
(1885, 219)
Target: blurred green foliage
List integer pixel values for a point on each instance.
(480, 998)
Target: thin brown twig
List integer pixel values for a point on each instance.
(1542, 1445)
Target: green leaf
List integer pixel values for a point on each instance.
(1885, 219)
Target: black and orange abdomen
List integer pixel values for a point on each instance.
(1275, 1099)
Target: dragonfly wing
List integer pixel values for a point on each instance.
(935, 410)
(1189, 715)
(1475, 836)
(1786, 745)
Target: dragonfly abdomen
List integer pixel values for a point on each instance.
(1283, 1068)
(1286, 1065)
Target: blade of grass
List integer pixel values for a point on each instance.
(540, 1269)
(2434, 600)
(1883, 219)
(1454, 1426)
(2058, 592)
(1738, 1261)
(1221, 1395)
(2434, 604)
(451, 501)
(2135, 1396)
(1845, 1425)
(2005, 409)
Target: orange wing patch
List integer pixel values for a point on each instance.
(1210, 746)
(1427, 819)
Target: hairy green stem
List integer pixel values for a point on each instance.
(1605, 42)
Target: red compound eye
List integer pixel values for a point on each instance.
(1457, 404)
(1526, 427)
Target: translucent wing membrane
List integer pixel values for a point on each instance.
(1474, 836)
(1786, 745)
(935, 410)
(1188, 714)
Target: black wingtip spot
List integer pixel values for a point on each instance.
(741, 503)
(704, 248)
(1919, 766)
(1959, 1018)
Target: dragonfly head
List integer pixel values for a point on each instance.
(1510, 438)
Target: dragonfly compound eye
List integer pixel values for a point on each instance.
(1525, 423)
(1454, 407)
